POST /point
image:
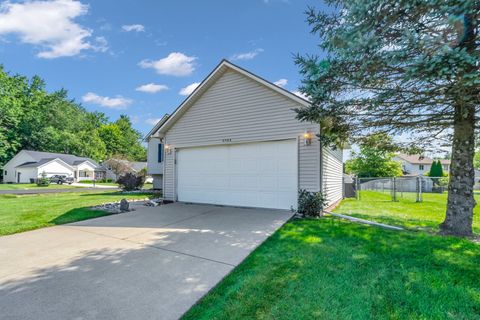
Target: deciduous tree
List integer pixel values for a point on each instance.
(374, 158)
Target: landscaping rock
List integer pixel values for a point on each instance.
(124, 206)
(153, 202)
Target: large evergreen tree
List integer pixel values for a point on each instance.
(401, 66)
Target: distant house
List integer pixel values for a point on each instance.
(416, 164)
(29, 165)
(131, 166)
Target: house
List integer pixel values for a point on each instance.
(26, 166)
(416, 164)
(235, 141)
(129, 166)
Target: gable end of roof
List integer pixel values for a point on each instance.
(210, 80)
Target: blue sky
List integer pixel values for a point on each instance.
(140, 58)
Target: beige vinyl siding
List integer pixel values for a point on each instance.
(332, 174)
(242, 110)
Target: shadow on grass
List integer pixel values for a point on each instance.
(78, 214)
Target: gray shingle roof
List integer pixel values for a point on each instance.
(67, 158)
(137, 165)
(419, 159)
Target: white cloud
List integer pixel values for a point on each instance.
(189, 89)
(247, 55)
(133, 27)
(152, 88)
(152, 121)
(134, 119)
(101, 44)
(281, 82)
(50, 25)
(301, 95)
(117, 102)
(175, 64)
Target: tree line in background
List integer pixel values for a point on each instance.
(34, 119)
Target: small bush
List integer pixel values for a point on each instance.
(43, 181)
(130, 181)
(97, 181)
(85, 181)
(310, 204)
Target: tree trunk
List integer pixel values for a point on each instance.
(458, 220)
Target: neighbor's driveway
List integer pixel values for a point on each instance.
(153, 263)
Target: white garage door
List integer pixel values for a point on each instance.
(253, 175)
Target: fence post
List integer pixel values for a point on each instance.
(417, 188)
(394, 187)
(420, 194)
(357, 188)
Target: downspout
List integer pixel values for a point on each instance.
(321, 165)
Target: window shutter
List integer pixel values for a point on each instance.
(160, 152)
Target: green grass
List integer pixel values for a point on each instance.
(29, 186)
(26, 212)
(335, 269)
(406, 212)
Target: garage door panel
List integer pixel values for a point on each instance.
(257, 174)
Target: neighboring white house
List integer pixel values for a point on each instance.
(26, 166)
(416, 164)
(235, 141)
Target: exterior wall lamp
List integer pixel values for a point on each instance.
(168, 149)
(307, 138)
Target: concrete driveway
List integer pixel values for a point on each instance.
(153, 263)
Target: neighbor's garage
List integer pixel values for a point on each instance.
(252, 174)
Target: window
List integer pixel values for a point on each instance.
(5, 173)
(421, 167)
(83, 174)
(160, 152)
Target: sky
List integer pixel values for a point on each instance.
(142, 58)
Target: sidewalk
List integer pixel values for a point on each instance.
(90, 185)
(41, 191)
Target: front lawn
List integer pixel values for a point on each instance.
(335, 269)
(30, 186)
(406, 212)
(26, 212)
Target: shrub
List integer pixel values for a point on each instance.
(43, 181)
(130, 181)
(85, 181)
(310, 204)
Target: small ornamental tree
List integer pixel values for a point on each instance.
(431, 173)
(400, 67)
(130, 181)
(440, 168)
(119, 165)
(43, 181)
(435, 169)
